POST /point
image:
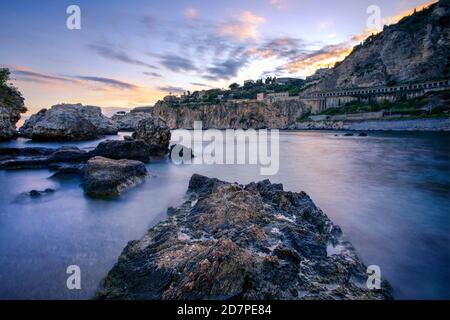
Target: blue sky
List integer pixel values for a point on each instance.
(131, 53)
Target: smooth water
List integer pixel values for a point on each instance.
(389, 192)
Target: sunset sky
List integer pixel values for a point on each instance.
(132, 53)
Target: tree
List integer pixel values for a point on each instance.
(268, 80)
(233, 86)
(4, 76)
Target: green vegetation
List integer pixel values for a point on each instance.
(304, 117)
(430, 105)
(248, 91)
(4, 76)
(9, 95)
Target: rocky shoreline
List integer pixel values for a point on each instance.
(106, 171)
(432, 124)
(230, 241)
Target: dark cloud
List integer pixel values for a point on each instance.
(152, 74)
(224, 69)
(27, 75)
(203, 51)
(109, 82)
(172, 89)
(282, 47)
(109, 52)
(151, 22)
(177, 63)
(199, 84)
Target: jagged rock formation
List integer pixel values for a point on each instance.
(156, 134)
(229, 241)
(414, 49)
(105, 177)
(68, 122)
(231, 115)
(130, 120)
(11, 106)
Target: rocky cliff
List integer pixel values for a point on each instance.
(11, 106)
(414, 49)
(231, 115)
(230, 241)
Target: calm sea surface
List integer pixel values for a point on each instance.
(389, 192)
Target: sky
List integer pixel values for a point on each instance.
(132, 53)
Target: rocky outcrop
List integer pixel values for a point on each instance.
(68, 122)
(37, 158)
(232, 115)
(124, 149)
(11, 106)
(414, 49)
(230, 241)
(105, 177)
(156, 134)
(129, 121)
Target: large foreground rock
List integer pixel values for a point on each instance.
(155, 132)
(105, 177)
(68, 122)
(11, 106)
(246, 242)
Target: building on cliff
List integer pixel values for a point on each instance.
(272, 97)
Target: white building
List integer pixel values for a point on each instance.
(272, 97)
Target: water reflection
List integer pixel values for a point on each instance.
(388, 191)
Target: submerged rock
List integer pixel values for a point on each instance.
(36, 158)
(66, 169)
(38, 193)
(230, 241)
(156, 133)
(68, 122)
(124, 149)
(105, 177)
(179, 152)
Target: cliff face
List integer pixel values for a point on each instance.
(414, 49)
(11, 106)
(229, 115)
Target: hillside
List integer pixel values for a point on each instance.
(414, 49)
